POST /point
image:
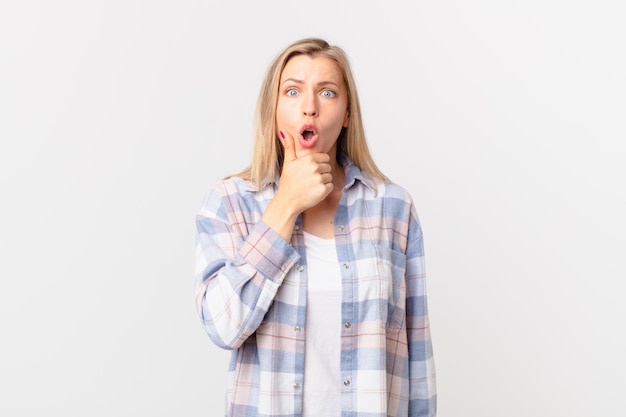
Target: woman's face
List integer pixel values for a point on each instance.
(312, 104)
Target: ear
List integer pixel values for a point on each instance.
(346, 119)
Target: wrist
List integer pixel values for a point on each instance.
(281, 217)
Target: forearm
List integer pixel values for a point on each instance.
(281, 217)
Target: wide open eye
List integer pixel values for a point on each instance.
(292, 92)
(328, 93)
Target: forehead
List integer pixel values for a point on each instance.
(312, 68)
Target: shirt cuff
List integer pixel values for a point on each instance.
(268, 253)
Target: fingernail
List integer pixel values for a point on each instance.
(282, 135)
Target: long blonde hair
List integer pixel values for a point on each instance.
(268, 154)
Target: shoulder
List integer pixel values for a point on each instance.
(224, 188)
(387, 190)
(391, 190)
(234, 194)
(225, 194)
(374, 187)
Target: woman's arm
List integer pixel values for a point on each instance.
(239, 268)
(423, 393)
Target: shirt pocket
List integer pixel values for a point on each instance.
(391, 266)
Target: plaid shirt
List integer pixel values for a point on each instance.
(251, 290)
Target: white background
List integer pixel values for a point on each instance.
(504, 120)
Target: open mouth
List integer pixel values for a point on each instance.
(308, 132)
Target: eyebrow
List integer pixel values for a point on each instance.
(321, 83)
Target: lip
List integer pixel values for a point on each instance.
(311, 142)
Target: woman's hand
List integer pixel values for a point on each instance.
(304, 182)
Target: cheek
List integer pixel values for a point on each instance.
(339, 120)
(282, 112)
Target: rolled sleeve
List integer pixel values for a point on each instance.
(239, 270)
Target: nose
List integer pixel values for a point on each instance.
(310, 106)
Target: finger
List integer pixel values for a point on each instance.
(324, 168)
(321, 157)
(326, 178)
(288, 144)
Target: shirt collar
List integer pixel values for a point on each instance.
(354, 174)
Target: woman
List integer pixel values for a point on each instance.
(310, 262)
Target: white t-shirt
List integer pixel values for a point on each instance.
(322, 377)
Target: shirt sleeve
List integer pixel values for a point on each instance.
(239, 268)
(423, 393)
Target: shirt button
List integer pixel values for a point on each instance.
(297, 329)
(300, 268)
(346, 266)
(340, 227)
(347, 325)
(346, 382)
(296, 227)
(296, 385)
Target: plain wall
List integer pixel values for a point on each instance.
(504, 120)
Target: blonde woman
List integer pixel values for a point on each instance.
(310, 263)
